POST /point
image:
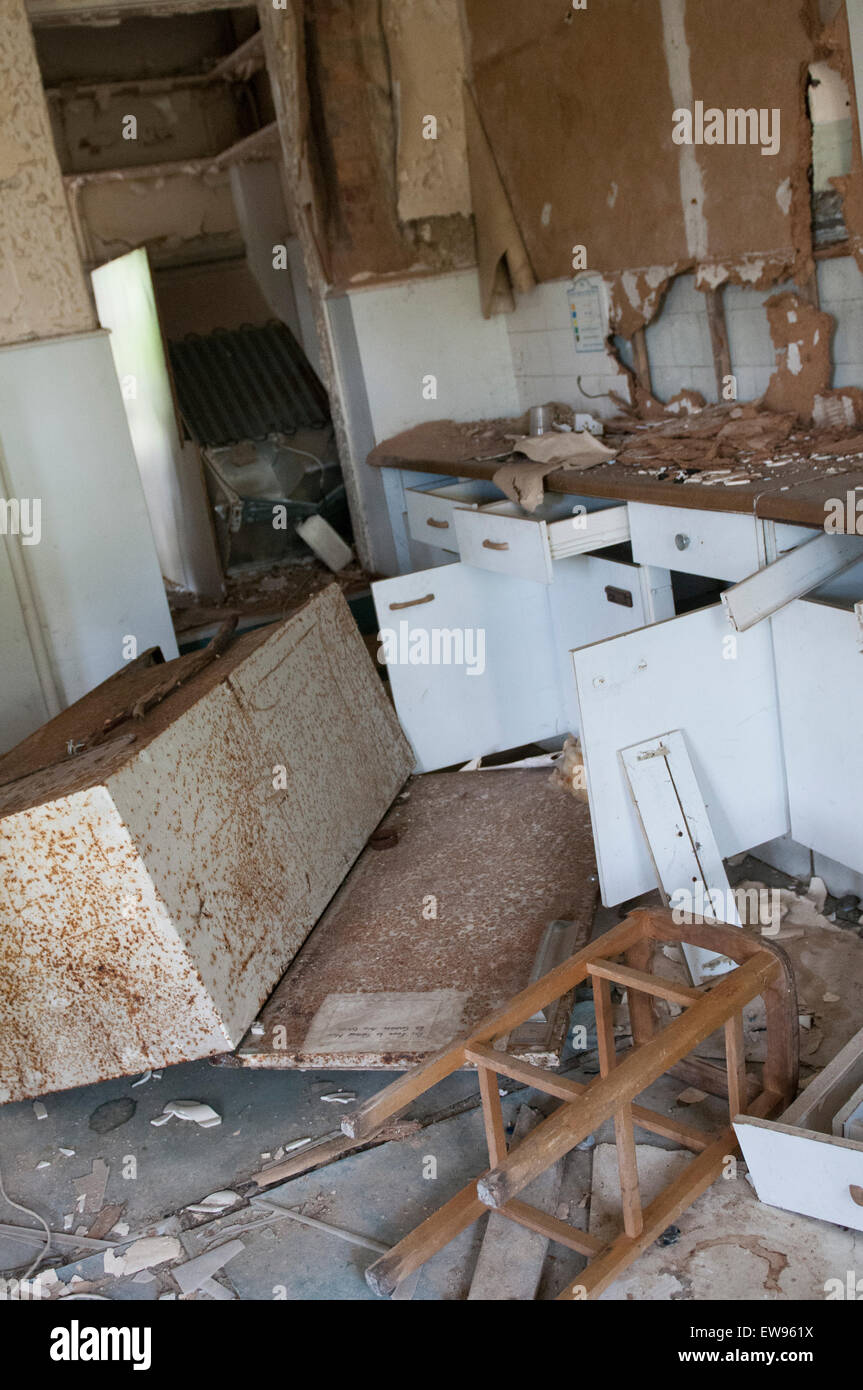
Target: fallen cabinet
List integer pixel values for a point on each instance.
(444, 915)
(796, 1163)
(478, 661)
(163, 859)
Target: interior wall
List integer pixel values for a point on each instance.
(423, 328)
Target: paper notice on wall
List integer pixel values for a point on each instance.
(386, 1021)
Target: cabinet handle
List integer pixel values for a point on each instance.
(621, 596)
(412, 602)
(433, 521)
(856, 1193)
(495, 545)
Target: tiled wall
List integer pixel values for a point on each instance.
(544, 358)
(546, 364)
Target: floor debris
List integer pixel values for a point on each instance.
(192, 1110)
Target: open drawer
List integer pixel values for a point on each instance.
(504, 538)
(430, 509)
(796, 1162)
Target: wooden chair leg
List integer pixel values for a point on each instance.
(492, 1115)
(735, 1061)
(624, 1133)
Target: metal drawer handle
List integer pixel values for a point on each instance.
(621, 596)
(495, 545)
(433, 521)
(856, 1193)
(412, 602)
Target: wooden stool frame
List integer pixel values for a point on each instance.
(762, 968)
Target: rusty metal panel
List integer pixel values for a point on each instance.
(435, 926)
(153, 890)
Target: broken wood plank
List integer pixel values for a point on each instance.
(510, 1260)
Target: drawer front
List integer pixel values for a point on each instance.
(430, 518)
(713, 544)
(804, 1171)
(586, 531)
(513, 545)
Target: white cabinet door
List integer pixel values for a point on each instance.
(590, 599)
(692, 674)
(479, 662)
(471, 661)
(819, 669)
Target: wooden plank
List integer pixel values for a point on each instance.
(492, 1115)
(627, 1163)
(639, 981)
(735, 1058)
(430, 1236)
(576, 1120)
(556, 1230)
(718, 338)
(565, 1089)
(511, 1257)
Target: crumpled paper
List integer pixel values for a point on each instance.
(524, 483)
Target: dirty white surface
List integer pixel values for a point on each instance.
(730, 1246)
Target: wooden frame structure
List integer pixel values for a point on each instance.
(761, 969)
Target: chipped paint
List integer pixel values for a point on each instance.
(43, 293)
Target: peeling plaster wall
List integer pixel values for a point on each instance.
(43, 293)
(181, 217)
(426, 57)
(181, 124)
(591, 169)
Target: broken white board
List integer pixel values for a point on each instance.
(820, 678)
(677, 830)
(692, 674)
(792, 575)
(796, 1163)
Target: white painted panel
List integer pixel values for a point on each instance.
(449, 715)
(172, 478)
(22, 704)
(820, 675)
(674, 675)
(714, 544)
(94, 574)
(432, 327)
(581, 612)
(804, 1171)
